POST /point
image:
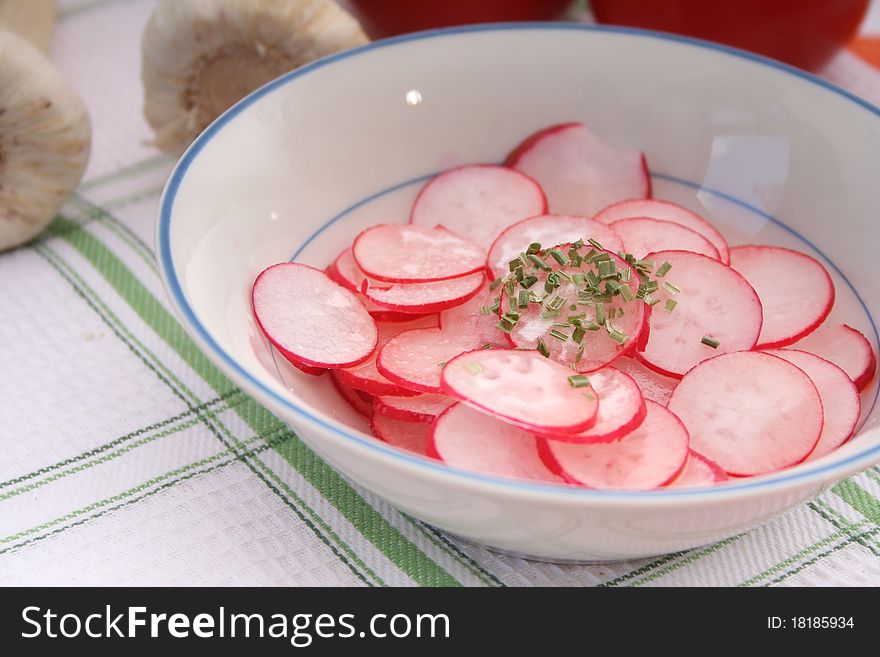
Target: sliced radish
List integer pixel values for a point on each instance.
(478, 201)
(311, 319)
(424, 298)
(599, 349)
(344, 270)
(469, 318)
(415, 358)
(404, 253)
(840, 398)
(796, 291)
(642, 236)
(845, 347)
(654, 386)
(421, 408)
(649, 457)
(521, 387)
(358, 400)
(749, 411)
(621, 408)
(699, 471)
(411, 436)
(465, 438)
(715, 302)
(580, 174)
(547, 230)
(305, 369)
(666, 211)
(365, 376)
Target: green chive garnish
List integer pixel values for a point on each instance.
(494, 284)
(600, 313)
(484, 310)
(559, 335)
(560, 257)
(528, 281)
(578, 334)
(627, 293)
(616, 335)
(522, 299)
(612, 287)
(578, 381)
(580, 353)
(669, 287)
(670, 305)
(595, 244)
(513, 264)
(663, 269)
(540, 264)
(534, 247)
(474, 368)
(550, 314)
(710, 342)
(542, 348)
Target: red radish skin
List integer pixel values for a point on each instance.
(366, 376)
(653, 208)
(426, 298)
(654, 386)
(840, 398)
(600, 348)
(421, 408)
(414, 359)
(478, 201)
(465, 438)
(305, 369)
(699, 471)
(547, 230)
(409, 436)
(642, 236)
(796, 291)
(311, 319)
(344, 270)
(580, 174)
(522, 388)
(845, 347)
(649, 457)
(359, 401)
(621, 409)
(750, 412)
(404, 253)
(715, 301)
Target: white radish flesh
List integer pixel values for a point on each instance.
(311, 319)
(714, 302)
(421, 408)
(521, 387)
(426, 298)
(409, 436)
(466, 438)
(796, 291)
(649, 457)
(414, 359)
(642, 236)
(654, 386)
(699, 471)
(845, 347)
(750, 412)
(478, 201)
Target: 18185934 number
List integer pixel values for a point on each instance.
(810, 623)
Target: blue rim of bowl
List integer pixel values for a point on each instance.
(172, 281)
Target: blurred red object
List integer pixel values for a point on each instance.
(805, 33)
(382, 18)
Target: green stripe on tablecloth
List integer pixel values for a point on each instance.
(347, 556)
(82, 6)
(370, 522)
(109, 220)
(839, 521)
(152, 162)
(869, 533)
(859, 499)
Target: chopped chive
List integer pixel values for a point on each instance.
(550, 314)
(592, 326)
(592, 279)
(580, 353)
(710, 342)
(600, 313)
(522, 299)
(534, 247)
(651, 301)
(513, 316)
(474, 368)
(584, 297)
(577, 245)
(612, 286)
(513, 264)
(540, 264)
(528, 281)
(624, 275)
(610, 313)
(594, 244)
(542, 348)
(651, 286)
(504, 325)
(559, 335)
(496, 306)
(518, 274)
(669, 287)
(573, 306)
(578, 334)
(620, 312)
(551, 283)
(589, 395)
(578, 381)
(556, 302)
(562, 273)
(663, 269)
(645, 264)
(670, 305)
(578, 278)
(488, 345)
(616, 335)
(494, 284)
(485, 310)
(562, 325)
(627, 293)
(559, 257)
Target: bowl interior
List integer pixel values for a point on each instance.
(301, 166)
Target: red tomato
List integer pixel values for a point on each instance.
(382, 18)
(805, 33)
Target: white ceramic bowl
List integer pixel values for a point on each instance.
(299, 167)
